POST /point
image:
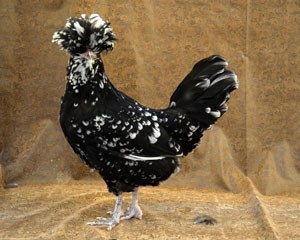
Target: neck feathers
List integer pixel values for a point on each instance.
(82, 71)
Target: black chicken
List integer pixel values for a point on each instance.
(131, 145)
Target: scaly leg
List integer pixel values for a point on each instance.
(114, 220)
(134, 210)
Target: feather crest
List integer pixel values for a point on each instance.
(86, 33)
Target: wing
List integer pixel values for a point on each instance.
(133, 132)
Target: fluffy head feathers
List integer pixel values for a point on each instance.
(86, 33)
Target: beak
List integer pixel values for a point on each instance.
(91, 58)
(91, 55)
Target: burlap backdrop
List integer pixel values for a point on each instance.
(159, 41)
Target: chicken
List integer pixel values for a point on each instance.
(129, 144)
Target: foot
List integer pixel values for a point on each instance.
(204, 219)
(115, 218)
(109, 222)
(133, 212)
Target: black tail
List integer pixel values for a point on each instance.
(205, 90)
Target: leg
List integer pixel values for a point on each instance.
(134, 210)
(114, 220)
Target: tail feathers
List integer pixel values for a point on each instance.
(198, 80)
(200, 100)
(205, 90)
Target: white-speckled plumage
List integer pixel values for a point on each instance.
(129, 144)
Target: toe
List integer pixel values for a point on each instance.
(132, 213)
(109, 222)
(138, 213)
(93, 223)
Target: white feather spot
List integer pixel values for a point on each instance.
(203, 84)
(215, 114)
(132, 135)
(156, 132)
(207, 110)
(154, 118)
(152, 139)
(101, 85)
(131, 164)
(79, 28)
(85, 123)
(111, 144)
(140, 126)
(193, 128)
(173, 104)
(96, 20)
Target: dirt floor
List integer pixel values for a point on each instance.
(61, 212)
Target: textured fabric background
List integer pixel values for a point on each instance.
(159, 41)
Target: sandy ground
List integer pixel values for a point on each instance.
(61, 212)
